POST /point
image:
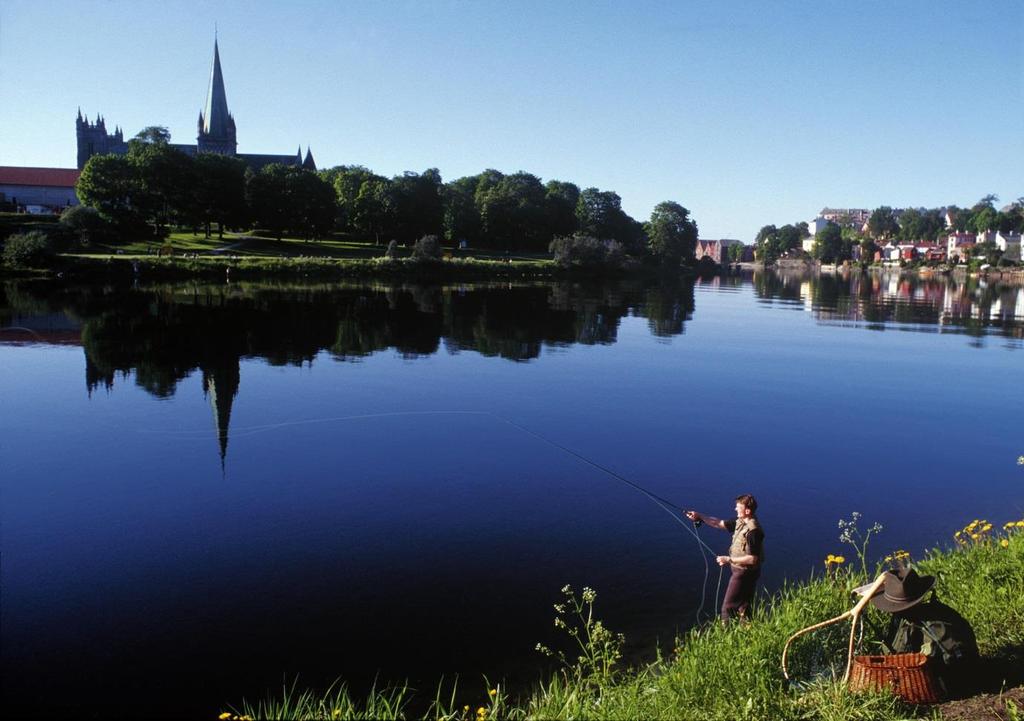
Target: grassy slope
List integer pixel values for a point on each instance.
(734, 672)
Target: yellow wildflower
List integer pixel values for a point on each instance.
(224, 716)
(1004, 543)
(493, 692)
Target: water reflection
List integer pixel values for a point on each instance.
(163, 333)
(974, 306)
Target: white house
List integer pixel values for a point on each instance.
(1009, 243)
(817, 224)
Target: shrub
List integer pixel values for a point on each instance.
(28, 250)
(427, 248)
(86, 224)
(587, 251)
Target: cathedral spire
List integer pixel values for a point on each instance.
(216, 118)
(216, 126)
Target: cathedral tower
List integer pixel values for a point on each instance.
(216, 126)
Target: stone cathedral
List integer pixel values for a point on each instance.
(216, 132)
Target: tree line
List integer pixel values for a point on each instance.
(836, 241)
(156, 186)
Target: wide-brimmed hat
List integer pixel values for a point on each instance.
(899, 591)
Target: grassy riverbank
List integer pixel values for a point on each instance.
(725, 673)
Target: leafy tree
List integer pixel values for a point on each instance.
(672, 235)
(153, 135)
(868, 250)
(461, 218)
(311, 202)
(220, 191)
(267, 198)
(882, 223)
(763, 234)
(985, 218)
(427, 248)
(989, 201)
(513, 213)
(561, 199)
(586, 251)
(28, 250)
(165, 176)
(109, 183)
(374, 209)
(347, 180)
(599, 213)
(417, 204)
(829, 246)
(736, 251)
(1012, 221)
(85, 223)
(988, 252)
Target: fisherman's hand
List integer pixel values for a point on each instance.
(724, 560)
(692, 515)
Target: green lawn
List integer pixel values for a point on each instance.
(247, 245)
(719, 673)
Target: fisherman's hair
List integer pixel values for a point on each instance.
(748, 500)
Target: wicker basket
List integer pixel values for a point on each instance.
(909, 675)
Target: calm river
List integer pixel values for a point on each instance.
(211, 489)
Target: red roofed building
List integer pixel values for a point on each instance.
(38, 190)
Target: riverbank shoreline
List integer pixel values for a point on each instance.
(728, 672)
(185, 267)
(1013, 276)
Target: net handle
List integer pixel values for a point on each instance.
(853, 613)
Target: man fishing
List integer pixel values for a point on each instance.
(746, 553)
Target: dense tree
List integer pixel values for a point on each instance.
(766, 232)
(985, 218)
(1012, 220)
(109, 183)
(829, 246)
(461, 218)
(561, 199)
(774, 242)
(513, 213)
(311, 201)
(417, 205)
(165, 179)
(373, 214)
(220, 191)
(599, 213)
(882, 223)
(736, 251)
(347, 181)
(85, 223)
(672, 235)
(267, 198)
(586, 252)
(868, 250)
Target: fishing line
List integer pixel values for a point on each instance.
(663, 503)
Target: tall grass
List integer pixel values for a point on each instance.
(729, 672)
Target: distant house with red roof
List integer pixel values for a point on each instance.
(38, 189)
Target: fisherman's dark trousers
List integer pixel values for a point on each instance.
(740, 592)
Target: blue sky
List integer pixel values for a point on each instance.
(747, 113)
